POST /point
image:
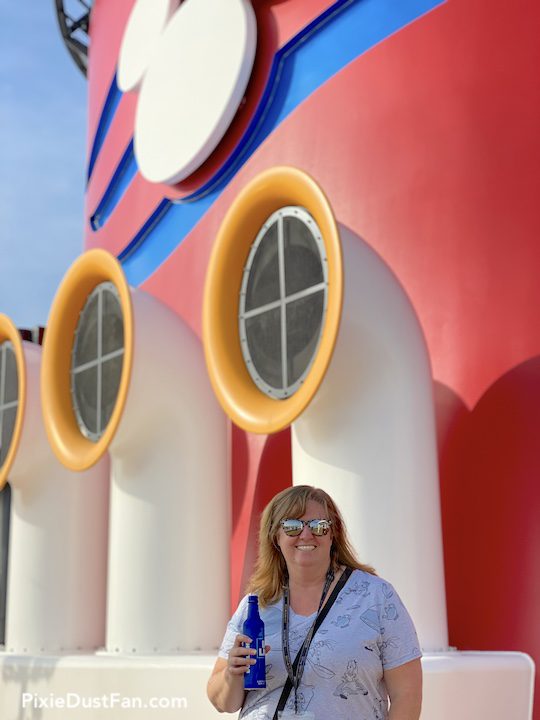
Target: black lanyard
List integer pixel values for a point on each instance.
(295, 677)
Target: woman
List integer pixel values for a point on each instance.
(365, 652)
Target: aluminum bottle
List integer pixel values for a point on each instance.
(253, 627)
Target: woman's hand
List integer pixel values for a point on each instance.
(241, 658)
(225, 687)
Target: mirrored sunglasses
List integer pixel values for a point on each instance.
(293, 527)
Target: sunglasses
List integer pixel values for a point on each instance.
(292, 527)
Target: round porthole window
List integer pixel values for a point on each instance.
(97, 359)
(283, 301)
(9, 397)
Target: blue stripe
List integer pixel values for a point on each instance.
(339, 36)
(109, 110)
(120, 181)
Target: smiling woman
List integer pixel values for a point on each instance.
(279, 553)
(355, 644)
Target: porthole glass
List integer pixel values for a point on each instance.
(9, 397)
(97, 360)
(283, 301)
(263, 279)
(303, 266)
(304, 318)
(263, 338)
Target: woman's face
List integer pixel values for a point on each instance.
(307, 550)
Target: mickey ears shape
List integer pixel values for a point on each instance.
(242, 400)
(191, 65)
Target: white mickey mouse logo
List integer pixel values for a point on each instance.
(146, 23)
(191, 64)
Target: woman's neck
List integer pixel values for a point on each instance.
(307, 578)
(305, 588)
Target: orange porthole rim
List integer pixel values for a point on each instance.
(9, 333)
(72, 448)
(246, 405)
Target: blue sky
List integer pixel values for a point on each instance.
(42, 143)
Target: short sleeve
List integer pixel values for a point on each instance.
(398, 641)
(234, 627)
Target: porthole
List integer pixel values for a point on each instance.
(9, 397)
(246, 296)
(97, 360)
(283, 301)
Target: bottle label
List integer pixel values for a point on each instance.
(259, 647)
(256, 676)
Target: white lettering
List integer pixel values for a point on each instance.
(73, 700)
(108, 701)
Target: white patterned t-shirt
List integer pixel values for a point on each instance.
(366, 631)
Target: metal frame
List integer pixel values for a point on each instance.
(300, 214)
(100, 290)
(5, 348)
(74, 25)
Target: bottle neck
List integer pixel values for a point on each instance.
(253, 611)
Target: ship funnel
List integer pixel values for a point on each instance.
(305, 325)
(123, 375)
(58, 525)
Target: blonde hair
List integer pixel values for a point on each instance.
(270, 569)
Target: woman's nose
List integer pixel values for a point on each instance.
(306, 532)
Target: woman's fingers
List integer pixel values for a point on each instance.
(240, 659)
(240, 640)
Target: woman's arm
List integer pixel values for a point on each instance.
(404, 685)
(225, 687)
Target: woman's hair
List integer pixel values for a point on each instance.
(270, 569)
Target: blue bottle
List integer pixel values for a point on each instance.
(253, 627)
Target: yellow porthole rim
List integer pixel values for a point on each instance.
(8, 332)
(238, 395)
(72, 448)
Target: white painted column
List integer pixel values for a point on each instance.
(168, 586)
(368, 439)
(58, 541)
